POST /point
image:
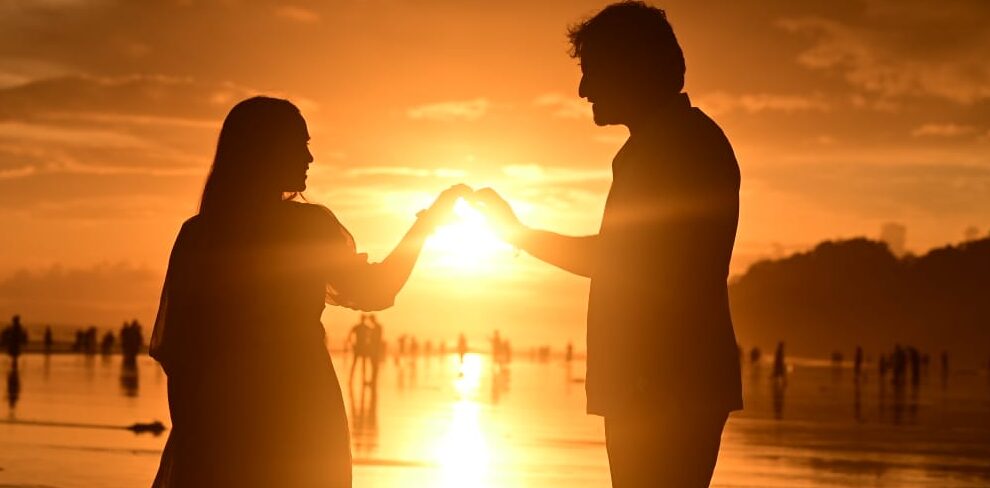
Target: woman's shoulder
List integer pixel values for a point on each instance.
(318, 218)
(307, 210)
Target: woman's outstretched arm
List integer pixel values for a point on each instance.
(379, 283)
(394, 271)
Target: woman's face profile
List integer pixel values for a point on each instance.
(292, 157)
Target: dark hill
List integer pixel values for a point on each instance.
(844, 293)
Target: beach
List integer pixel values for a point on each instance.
(435, 421)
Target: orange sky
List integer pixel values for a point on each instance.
(844, 115)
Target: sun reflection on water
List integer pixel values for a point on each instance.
(463, 451)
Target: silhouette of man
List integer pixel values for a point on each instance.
(49, 340)
(662, 366)
(376, 347)
(13, 338)
(360, 340)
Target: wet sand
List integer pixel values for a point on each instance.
(434, 422)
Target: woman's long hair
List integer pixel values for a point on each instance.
(251, 136)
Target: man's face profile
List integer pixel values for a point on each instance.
(604, 85)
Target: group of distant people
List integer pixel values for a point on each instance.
(903, 363)
(14, 338)
(130, 336)
(366, 342)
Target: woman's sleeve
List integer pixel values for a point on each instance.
(351, 281)
(170, 306)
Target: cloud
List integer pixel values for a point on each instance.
(943, 130)
(297, 14)
(564, 107)
(152, 125)
(152, 96)
(904, 48)
(536, 173)
(406, 171)
(450, 111)
(718, 103)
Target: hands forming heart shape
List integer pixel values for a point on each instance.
(496, 210)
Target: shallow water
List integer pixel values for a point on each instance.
(434, 422)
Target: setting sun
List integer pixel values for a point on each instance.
(467, 243)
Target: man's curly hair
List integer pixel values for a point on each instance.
(635, 34)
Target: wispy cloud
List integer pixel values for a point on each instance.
(718, 103)
(297, 14)
(554, 174)
(879, 51)
(564, 107)
(407, 171)
(943, 130)
(450, 111)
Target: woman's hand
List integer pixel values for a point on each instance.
(443, 206)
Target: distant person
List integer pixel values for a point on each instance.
(413, 348)
(461, 347)
(497, 347)
(252, 392)
(359, 339)
(89, 339)
(858, 362)
(914, 361)
(376, 347)
(569, 352)
(49, 340)
(779, 364)
(837, 359)
(899, 364)
(754, 356)
(662, 366)
(107, 343)
(131, 341)
(13, 338)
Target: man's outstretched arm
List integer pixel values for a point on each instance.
(574, 254)
(569, 253)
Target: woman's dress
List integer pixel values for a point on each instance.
(252, 393)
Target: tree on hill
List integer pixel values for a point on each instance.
(856, 292)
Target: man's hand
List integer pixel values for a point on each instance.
(498, 212)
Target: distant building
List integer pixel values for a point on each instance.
(895, 236)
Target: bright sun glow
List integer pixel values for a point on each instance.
(467, 243)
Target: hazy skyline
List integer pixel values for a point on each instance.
(844, 116)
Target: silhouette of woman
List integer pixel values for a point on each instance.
(252, 393)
